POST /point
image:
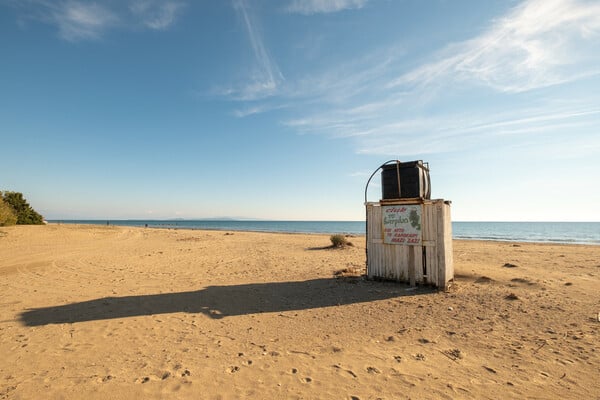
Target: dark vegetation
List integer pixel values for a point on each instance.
(14, 209)
(339, 241)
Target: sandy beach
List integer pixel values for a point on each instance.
(103, 312)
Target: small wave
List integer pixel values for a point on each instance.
(528, 239)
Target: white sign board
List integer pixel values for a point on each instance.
(402, 224)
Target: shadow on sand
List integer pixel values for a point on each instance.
(225, 301)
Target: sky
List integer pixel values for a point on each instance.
(147, 109)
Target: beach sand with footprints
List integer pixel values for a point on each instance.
(101, 312)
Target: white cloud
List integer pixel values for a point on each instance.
(309, 7)
(156, 14)
(257, 109)
(338, 86)
(241, 113)
(81, 21)
(387, 109)
(265, 79)
(538, 44)
(78, 20)
(451, 132)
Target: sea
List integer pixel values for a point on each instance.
(537, 232)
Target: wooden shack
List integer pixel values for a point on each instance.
(410, 240)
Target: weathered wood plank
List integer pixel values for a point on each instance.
(430, 263)
(418, 262)
(411, 267)
(448, 256)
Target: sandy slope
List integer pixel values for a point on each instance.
(121, 313)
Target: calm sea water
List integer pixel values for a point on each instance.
(545, 232)
(549, 232)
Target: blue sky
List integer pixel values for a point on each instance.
(282, 109)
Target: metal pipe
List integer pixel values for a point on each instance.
(367, 213)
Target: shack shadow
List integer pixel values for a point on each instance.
(225, 301)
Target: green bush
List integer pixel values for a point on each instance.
(338, 240)
(7, 214)
(25, 214)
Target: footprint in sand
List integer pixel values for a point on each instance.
(233, 369)
(373, 370)
(511, 297)
(346, 370)
(307, 379)
(484, 279)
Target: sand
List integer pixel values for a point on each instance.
(100, 312)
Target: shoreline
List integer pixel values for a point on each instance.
(347, 234)
(210, 229)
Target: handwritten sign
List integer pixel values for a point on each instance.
(402, 224)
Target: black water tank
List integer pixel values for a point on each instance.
(414, 180)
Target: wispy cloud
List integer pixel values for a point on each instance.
(78, 20)
(339, 86)
(266, 79)
(266, 76)
(477, 128)
(309, 7)
(257, 109)
(156, 14)
(538, 44)
(81, 21)
(388, 109)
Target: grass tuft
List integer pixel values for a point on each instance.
(338, 240)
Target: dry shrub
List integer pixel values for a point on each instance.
(338, 240)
